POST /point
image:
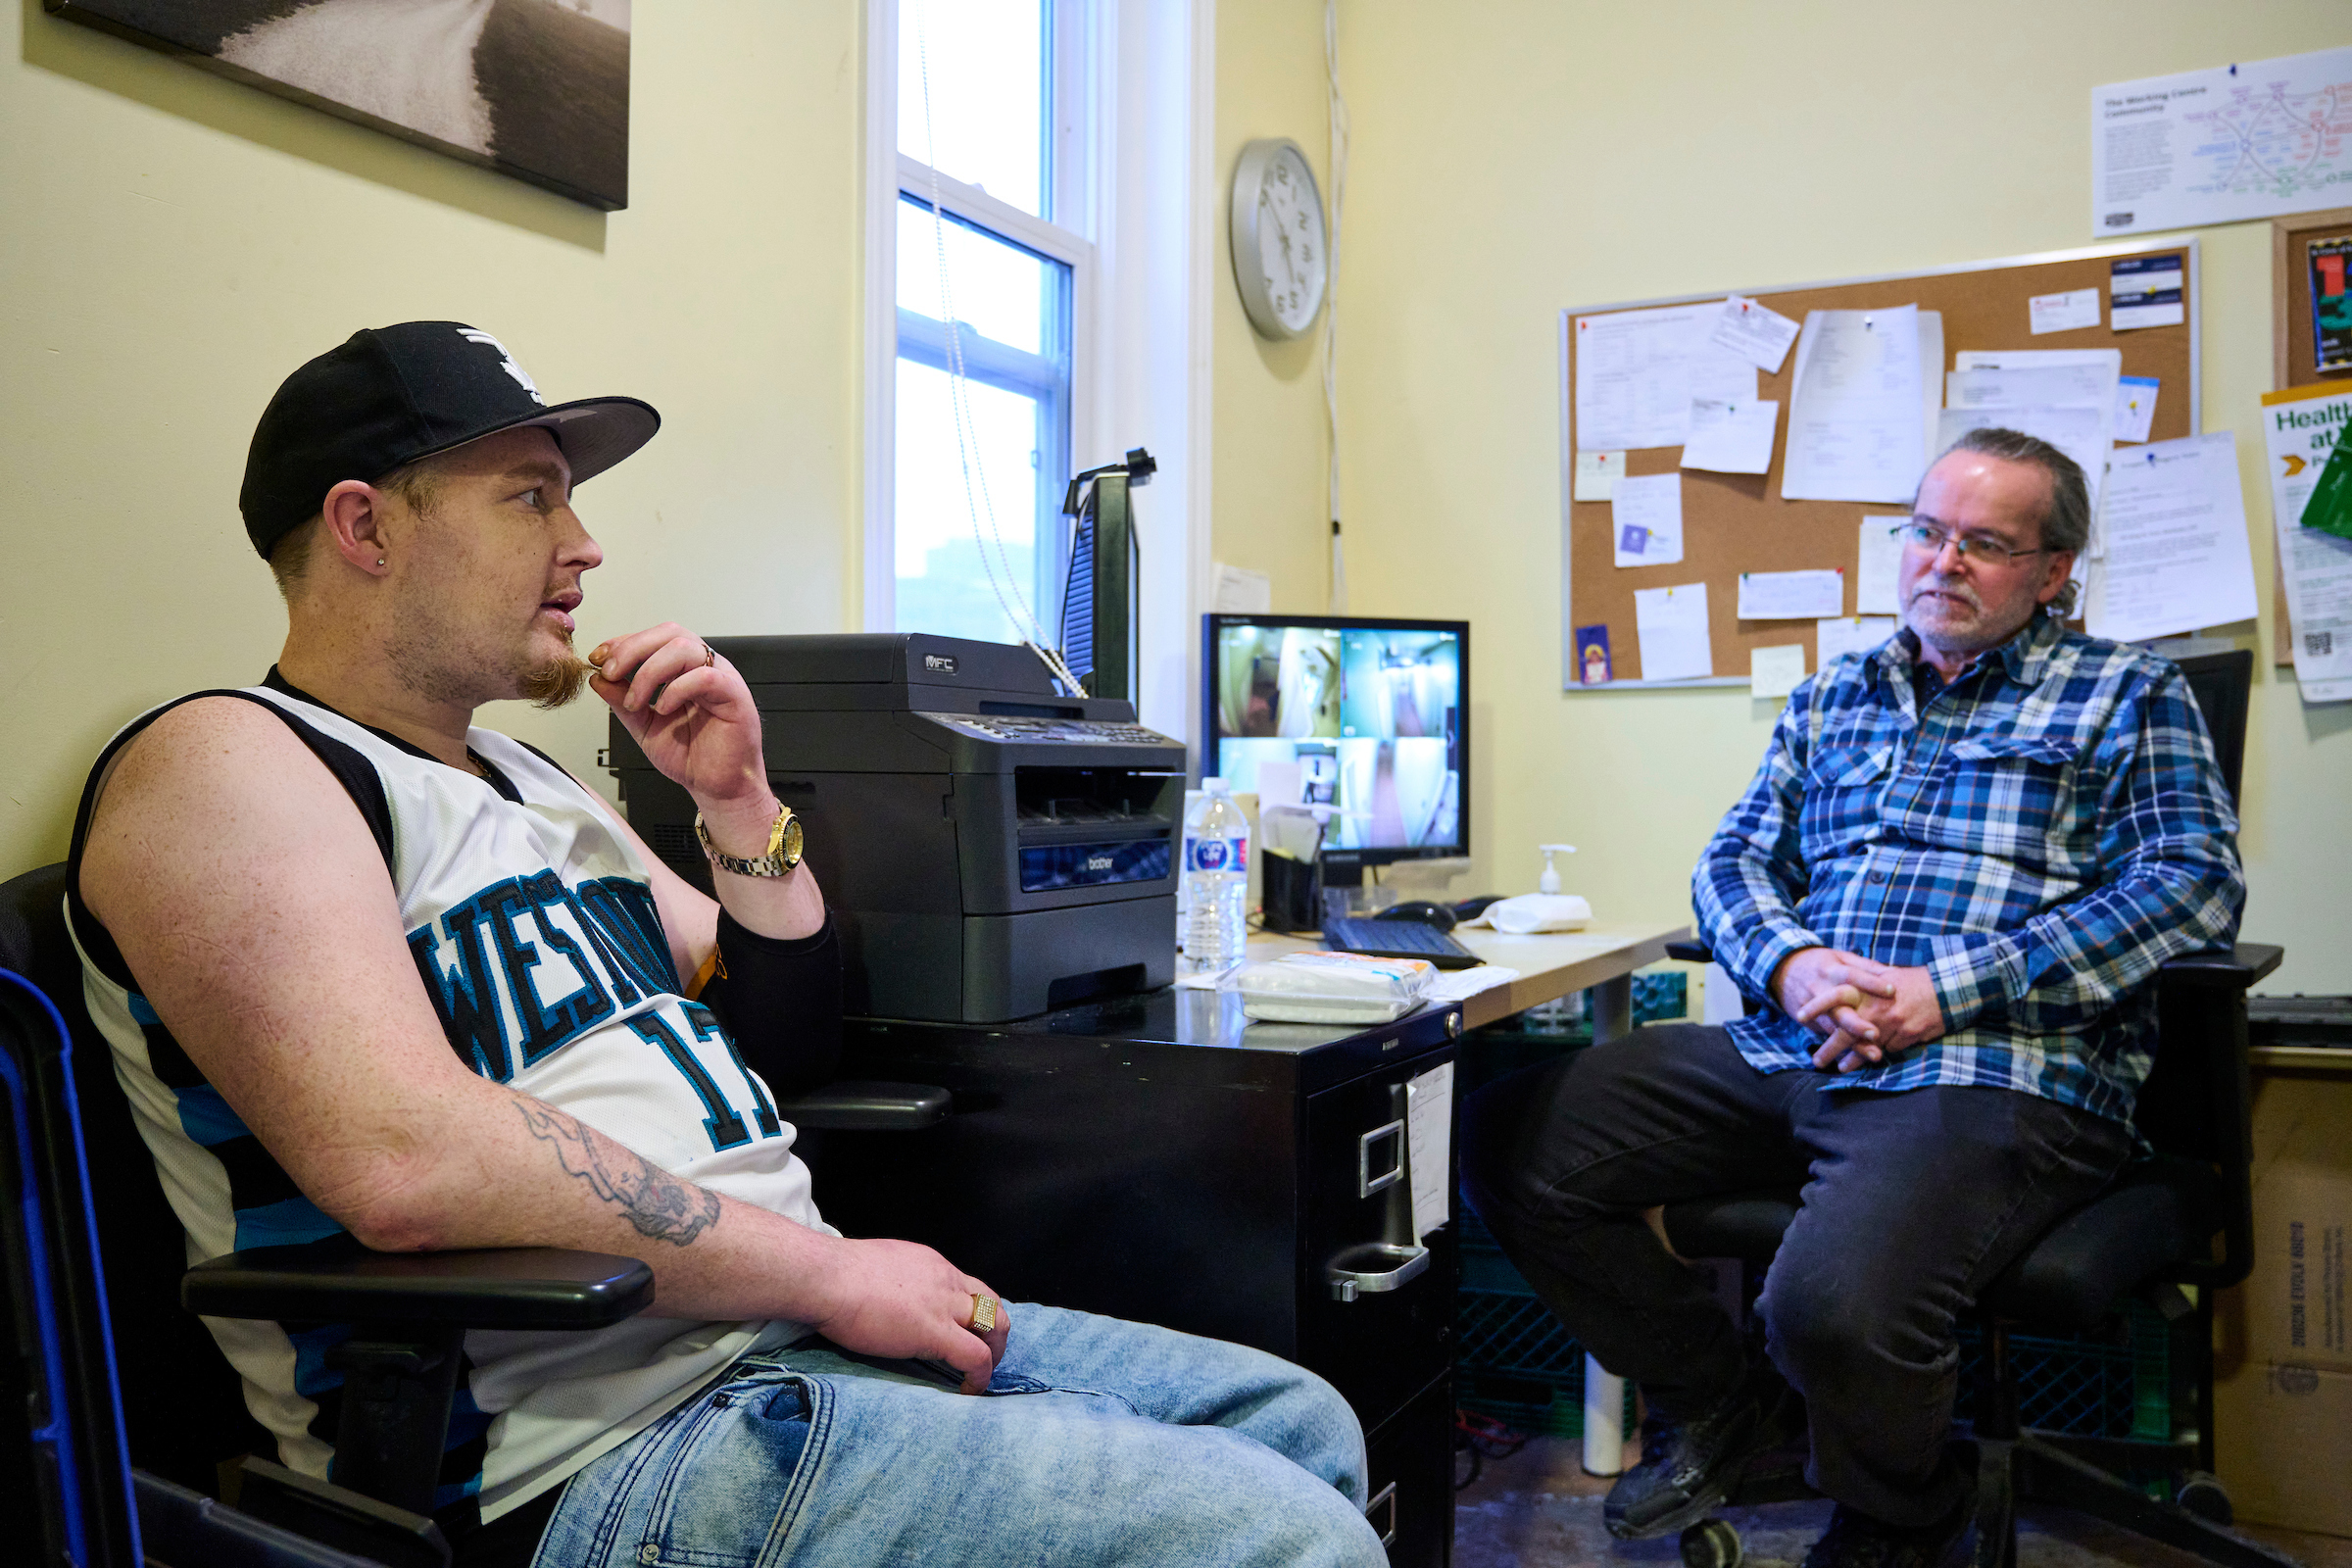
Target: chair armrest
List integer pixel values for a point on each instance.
(339, 1281)
(2236, 969)
(1690, 953)
(862, 1104)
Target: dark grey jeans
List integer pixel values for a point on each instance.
(1912, 1203)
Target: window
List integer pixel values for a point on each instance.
(993, 270)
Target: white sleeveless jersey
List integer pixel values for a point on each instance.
(533, 925)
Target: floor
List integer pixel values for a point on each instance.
(1538, 1508)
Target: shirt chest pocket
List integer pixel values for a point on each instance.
(1842, 784)
(2011, 796)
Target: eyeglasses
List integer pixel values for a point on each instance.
(1976, 548)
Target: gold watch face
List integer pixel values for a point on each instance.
(789, 838)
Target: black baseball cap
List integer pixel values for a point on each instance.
(390, 395)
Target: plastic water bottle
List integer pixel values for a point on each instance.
(1216, 882)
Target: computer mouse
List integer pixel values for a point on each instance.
(1421, 912)
(1472, 909)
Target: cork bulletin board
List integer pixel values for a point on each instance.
(1734, 523)
(2293, 338)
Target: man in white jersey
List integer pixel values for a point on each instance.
(369, 969)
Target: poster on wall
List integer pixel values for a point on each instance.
(538, 90)
(2222, 145)
(2331, 304)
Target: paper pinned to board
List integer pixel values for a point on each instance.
(1645, 518)
(2147, 291)
(1757, 333)
(1776, 672)
(1881, 557)
(1855, 427)
(1671, 626)
(1428, 1145)
(2135, 408)
(2176, 555)
(2088, 384)
(1636, 372)
(1790, 595)
(1849, 634)
(2063, 312)
(2079, 433)
(1597, 473)
(1731, 437)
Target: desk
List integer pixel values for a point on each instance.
(1162, 1157)
(1600, 957)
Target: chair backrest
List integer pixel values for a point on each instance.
(183, 1404)
(2223, 685)
(63, 1466)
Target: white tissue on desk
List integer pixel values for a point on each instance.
(1532, 912)
(1330, 988)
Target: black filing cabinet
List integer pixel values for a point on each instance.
(1162, 1158)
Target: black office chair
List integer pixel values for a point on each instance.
(118, 1272)
(2148, 1235)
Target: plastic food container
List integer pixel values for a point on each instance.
(1331, 988)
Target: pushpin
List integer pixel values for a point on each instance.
(1549, 881)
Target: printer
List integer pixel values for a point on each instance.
(991, 848)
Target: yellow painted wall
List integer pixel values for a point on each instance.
(1270, 442)
(171, 244)
(1512, 159)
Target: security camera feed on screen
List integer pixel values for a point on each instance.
(1366, 721)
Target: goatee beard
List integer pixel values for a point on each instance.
(557, 682)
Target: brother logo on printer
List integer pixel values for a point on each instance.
(1099, 863)
(940, 663)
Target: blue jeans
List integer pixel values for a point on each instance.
(1097, 1442)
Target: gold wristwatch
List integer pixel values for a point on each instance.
(783, 847)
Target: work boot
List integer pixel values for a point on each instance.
(1688, 1467)
(1854, 1540)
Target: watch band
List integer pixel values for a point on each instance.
(783, 847)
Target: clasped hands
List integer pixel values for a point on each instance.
(1864, 1011)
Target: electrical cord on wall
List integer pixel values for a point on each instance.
(977, 503)
(1331, 297)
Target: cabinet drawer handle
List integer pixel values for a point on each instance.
(1366, 1184)
(1360, 1269)
(1388, 1495)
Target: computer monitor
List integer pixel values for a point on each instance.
(1368, 717)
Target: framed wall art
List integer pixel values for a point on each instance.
(538, 90)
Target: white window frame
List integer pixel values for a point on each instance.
(1134, 193)
(1000, 364)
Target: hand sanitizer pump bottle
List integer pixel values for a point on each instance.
(1562, 1013)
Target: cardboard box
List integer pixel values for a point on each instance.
(2283, 1360)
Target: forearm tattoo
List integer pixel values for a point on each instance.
(663, 1206)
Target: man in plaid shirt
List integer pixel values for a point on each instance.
(1949, 887)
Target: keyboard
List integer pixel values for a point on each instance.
(1399, 939)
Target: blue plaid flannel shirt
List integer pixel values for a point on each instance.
(2041, 834)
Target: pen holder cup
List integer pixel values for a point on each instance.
(1292, 895)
